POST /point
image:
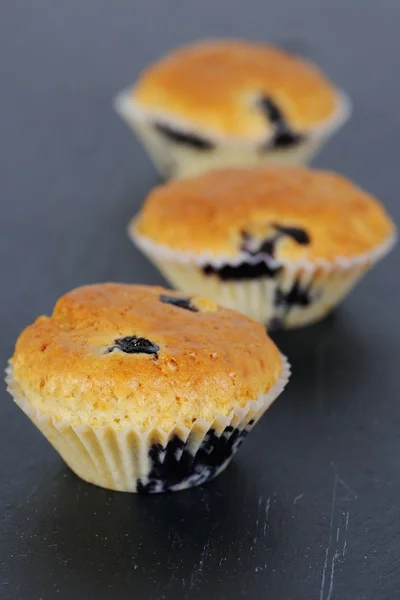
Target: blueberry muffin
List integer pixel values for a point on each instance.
(281, 244)
(141, 389)
(231, 103)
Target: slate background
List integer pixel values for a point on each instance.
(309, 509)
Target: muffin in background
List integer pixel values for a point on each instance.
(231, 103)
(140, 389)
(283, 245)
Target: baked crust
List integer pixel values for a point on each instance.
(215, 88)
(221, 212)
(208, 360)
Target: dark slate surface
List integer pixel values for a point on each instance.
(309, 509)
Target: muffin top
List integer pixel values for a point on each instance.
(144, 356)
(235, 88)
(288, 213)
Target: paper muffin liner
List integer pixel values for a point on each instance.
(291, 295)
(129, 460)
(178, 160)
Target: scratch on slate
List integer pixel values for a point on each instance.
(335, 556)
(321, 595)
(299, 497)
(266, 515)
(203, 556)
(197, 570)
(267, 506)
(33, 490)
(335, 549)
(352, 493)
(257, 519)
(345, 533)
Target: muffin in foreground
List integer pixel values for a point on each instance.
(228, 103)
(143, 390)
(283, 245)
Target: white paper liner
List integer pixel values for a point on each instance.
(153, 461)
(130, 110)
(327, 282)
(179, 160)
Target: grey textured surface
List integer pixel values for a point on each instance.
(309, 509)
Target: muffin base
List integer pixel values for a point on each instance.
(292, 295)
(179, 160)
(154, 461)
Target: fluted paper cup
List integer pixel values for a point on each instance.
(181, 160)
(129, 460)
(292, 294)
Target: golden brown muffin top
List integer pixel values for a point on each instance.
(217, 86)
(127, 355)
(308, 215)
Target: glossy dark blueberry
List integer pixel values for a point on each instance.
(283, 135)
(247, 270)
(174, 464)
(266, 247)
(296, 296)
(135, 345)
(180, 302)
(243, 271)
(181, 137)
(285, 139)
(298, 234)
(271, 110)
